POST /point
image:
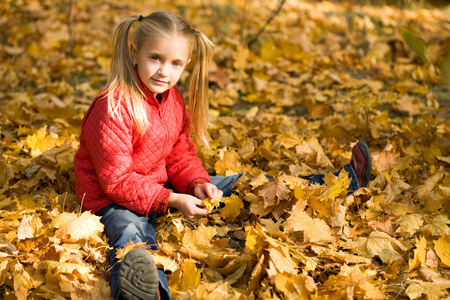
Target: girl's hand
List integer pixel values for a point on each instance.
(207, 190)
(188, 205)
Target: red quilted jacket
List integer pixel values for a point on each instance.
(115, 164)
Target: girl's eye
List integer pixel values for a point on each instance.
(177, 64)
(155, 57)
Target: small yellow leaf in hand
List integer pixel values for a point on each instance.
(210, 206)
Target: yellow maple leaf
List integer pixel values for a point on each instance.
(232, 208)
(417, 288)
(350, 282)
(4, 201)
(409, 224)
(211, 205)
(186, 277)
(198, 244)
(338, 185)
(72, 227)
(430, 183)
(289, 139)
(268, 153)
(344, 257)
(66, 268)
(164, 261)
(314, 229)
(311, 151)
(269, 51)
(130, 246)
(282, 260)
(23, 282)
(252, 239)
(258, 180)
(25, 230)
(442, 248)
(293, 286)
(420, 254)
(270, 225)
(437, 226)
(4, 174)
(228, 164)
(380, 244)
(386, 161)
(241, 58)
(256, 274)
(40, 142)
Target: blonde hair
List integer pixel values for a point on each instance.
(122, 78)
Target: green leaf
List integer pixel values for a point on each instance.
(414, 42)
(444, 65)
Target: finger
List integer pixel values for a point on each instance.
(210, 191)
(200, 211)
(199, 192)
(214, 197)
(216, 194)
(199, 203)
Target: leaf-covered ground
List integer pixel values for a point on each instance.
(290, 103)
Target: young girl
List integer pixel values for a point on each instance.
(136, 157)
(135, 147)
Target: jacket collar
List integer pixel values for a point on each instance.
(148, 95)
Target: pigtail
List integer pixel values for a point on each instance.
(123, 80)
(198, 88)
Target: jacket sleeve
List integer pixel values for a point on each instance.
(183, 166)
(109, 141)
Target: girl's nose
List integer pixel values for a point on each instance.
(163, 70)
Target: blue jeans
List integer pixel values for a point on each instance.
(354, 184)
(122, 224)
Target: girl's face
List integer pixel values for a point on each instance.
(160, 61)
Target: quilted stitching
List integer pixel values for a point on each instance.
(115, 164)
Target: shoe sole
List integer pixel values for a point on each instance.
(367, 170)
(138, 276)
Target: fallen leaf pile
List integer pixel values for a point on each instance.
(290, 104)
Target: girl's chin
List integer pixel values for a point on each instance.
(157, 89)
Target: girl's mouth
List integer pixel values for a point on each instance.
(159, 82)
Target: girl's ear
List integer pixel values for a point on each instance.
(133, 52)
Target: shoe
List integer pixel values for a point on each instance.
(138, 276)
(361, 163)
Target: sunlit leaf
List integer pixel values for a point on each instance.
(442, 248)
(314, 229)
(418, 288)
(380, 244)
(73, 227)
(232, 208)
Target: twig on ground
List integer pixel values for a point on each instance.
(69, 28)
(426, 132)
(276, 12)
(244, 19)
